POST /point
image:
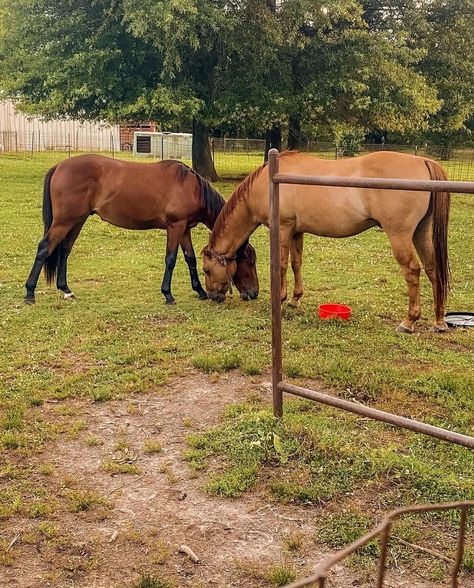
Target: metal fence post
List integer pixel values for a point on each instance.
(32, 142)
(274, 222)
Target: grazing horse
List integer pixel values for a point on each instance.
(418, 219)
(165, 195)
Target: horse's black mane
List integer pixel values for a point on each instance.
(212, 201)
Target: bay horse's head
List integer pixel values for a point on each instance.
(245, 277)
(222, 271)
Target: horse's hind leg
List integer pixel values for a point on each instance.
(285, 236)
(46, 247)
(424, 247)
(190, 257)
(404, 253)
(296, 254)
(174, 234)
(64, 251)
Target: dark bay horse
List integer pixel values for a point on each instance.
(411, 220)
(165, 195)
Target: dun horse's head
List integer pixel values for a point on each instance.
(221, 272)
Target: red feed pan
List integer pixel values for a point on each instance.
(335, 311)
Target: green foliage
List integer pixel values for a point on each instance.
(335, 67)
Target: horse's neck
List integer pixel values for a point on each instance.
(238, 227)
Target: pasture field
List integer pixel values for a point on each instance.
(76, 375)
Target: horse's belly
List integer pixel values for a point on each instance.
(129, 220)
(335, 227)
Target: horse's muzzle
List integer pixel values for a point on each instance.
(249, 295)
(216, 296)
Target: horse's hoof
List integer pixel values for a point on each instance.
(294, 303)
(402, 329)
(203, 296)
(70, 296)
(170, 301)
(30, 301)
(439, 329)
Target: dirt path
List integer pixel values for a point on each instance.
(147, 516)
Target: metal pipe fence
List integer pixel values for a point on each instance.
(279, 386)
(382, 531)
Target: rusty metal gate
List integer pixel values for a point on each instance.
(279, 386)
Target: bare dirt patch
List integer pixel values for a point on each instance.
(107, 529)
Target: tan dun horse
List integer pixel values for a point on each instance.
(165, 195)
(418, 219)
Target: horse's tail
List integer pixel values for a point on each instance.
(52, 262)
(440, 204)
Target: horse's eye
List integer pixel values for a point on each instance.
(206, 271)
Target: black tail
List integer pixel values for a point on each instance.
(52, 262)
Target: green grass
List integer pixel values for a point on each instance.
(120, 339)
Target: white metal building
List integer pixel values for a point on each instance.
(19, 132)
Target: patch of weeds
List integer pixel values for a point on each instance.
(251, 367)
(100, 394)
(217, 362)
(232, 483)
(122, 445)
(114, 467)
(79, 501)
(76, 427)
(196, 458)
(13, 419)
(188, 423)
(159, 552)
(10, 504)
(94, 441)
(6, 556)
(165, 469)
(278, 574)
(437, 571)
(47, 469)
(281, 574)
(152, 581)
(468, 561)
(340, 529)
(38, 509)
(294, 542)
(47, 530)
(152, 445)
(11, 440)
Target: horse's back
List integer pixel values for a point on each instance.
(341, 212)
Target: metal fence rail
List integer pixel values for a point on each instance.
(383, 531)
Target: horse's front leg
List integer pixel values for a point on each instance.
(190, 257)
(285, 236)
(296, 254)
(174, 234)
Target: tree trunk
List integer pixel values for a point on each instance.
(272, 139)
(294, 133)
(202, 159)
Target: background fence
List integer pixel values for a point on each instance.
(233, 158)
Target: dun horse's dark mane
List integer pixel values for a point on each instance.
(238, 196)
(211, 200)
